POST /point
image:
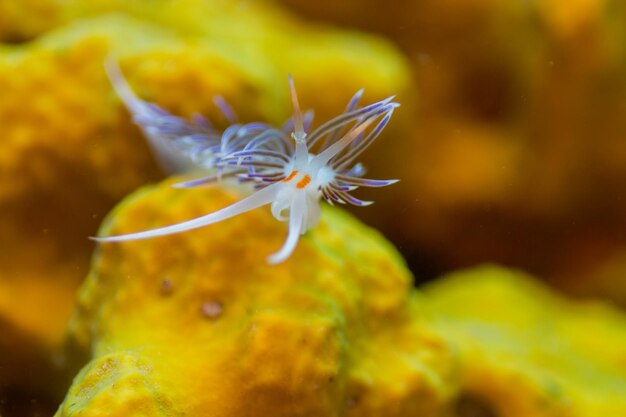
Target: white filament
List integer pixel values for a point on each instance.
(258, 199)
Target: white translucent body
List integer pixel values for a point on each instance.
(295, 199)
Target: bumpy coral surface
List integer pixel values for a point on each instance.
(198, 324)
(527, 352)
(70, 151)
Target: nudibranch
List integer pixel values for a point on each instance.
(290, 168)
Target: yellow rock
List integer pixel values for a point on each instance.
(527, 352)
(70, 151)
(199, 324)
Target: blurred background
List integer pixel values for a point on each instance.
(510, 143)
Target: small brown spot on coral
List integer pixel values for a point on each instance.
(211, 309)
(166, 287)
(468, 405)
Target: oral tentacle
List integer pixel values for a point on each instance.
(297, 216)
(278, 208)
(258, 199)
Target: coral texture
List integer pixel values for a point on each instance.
(197, 323)
(527, 352)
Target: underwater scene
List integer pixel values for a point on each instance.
(298, 208)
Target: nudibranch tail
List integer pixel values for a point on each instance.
(123, 90)
(173, 139)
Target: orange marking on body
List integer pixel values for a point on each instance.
(290, 177)
(304, 182)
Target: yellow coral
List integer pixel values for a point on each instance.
(333, 330)
(528, 352)
(198, 323)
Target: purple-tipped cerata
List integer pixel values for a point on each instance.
(290, 168)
